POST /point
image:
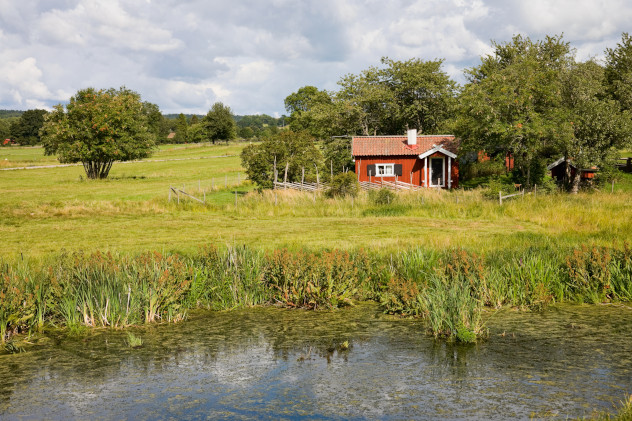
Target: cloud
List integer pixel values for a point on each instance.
(186, 54)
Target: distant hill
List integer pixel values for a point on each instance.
(188, 116)
(10, 113)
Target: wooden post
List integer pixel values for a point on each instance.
(287, 166)
(275, 173)
(359, 169)
(302, 177)
(500, 197)
(235, 199)
(204, 196)
(317, 178)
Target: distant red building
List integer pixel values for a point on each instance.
(558, 170)
(427, 160)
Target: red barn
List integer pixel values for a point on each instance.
(428, 160)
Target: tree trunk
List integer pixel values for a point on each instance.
(575, 181)
(96, 169)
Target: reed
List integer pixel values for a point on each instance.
(447, 287)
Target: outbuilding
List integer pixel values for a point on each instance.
(427, 160)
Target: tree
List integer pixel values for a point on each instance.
(219, 123)
(425, 96)
(155, 120)
(595, 127)
(97, 128)
(289, 149)
(618, 72)
(512, 103)
(26, 129)
(181, 129)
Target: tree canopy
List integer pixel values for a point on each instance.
(98, 127)
(378, 101)
(219, 123)
(531, 99)
(26, 129)
(288, 149)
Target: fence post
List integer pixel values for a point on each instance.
(500, 197)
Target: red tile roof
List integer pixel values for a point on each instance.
(398, 145)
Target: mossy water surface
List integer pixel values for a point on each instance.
(566, 361)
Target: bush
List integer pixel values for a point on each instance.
(382, 197)
(498, 184)
(342, 185)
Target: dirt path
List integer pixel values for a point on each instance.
(35, 167)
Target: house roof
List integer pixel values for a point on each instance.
(398, 145)
(570, 162)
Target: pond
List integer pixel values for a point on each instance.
(269, 363)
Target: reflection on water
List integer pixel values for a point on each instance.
(272, 363)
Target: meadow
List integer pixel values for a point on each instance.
(124, 251)
(46, 210)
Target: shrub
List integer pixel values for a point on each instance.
(382, 196)
(343, 185)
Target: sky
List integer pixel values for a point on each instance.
(185, 55)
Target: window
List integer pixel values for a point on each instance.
(385, 170)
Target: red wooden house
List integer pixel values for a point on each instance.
(427, 160)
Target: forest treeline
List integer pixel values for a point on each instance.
(532, 100)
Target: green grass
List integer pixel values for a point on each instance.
(46, 210)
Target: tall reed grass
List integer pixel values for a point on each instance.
(449, 288)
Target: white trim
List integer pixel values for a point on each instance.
(436, 149)
(449, 172)
(426, 173)
(442, 178)
(387, 167)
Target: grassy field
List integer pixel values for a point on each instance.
(48, 209)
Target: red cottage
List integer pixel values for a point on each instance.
(428, 161)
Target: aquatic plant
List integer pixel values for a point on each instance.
(134, 341)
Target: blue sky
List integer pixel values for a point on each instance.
(184, 55)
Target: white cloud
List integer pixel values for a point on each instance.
(186, 54)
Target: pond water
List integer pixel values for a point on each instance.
(268, 363)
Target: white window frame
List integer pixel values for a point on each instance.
(389, 170)
(442, 178)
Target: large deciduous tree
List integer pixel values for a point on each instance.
(594, 127)
(220, 123)
(288, 149)
(512, 102)
(97, 128)
(618, 72)
(26, 130)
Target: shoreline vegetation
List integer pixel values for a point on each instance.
(449, 289)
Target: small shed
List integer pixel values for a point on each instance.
(558, 170)
(427, 160)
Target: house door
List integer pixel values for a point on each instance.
(437, 177)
